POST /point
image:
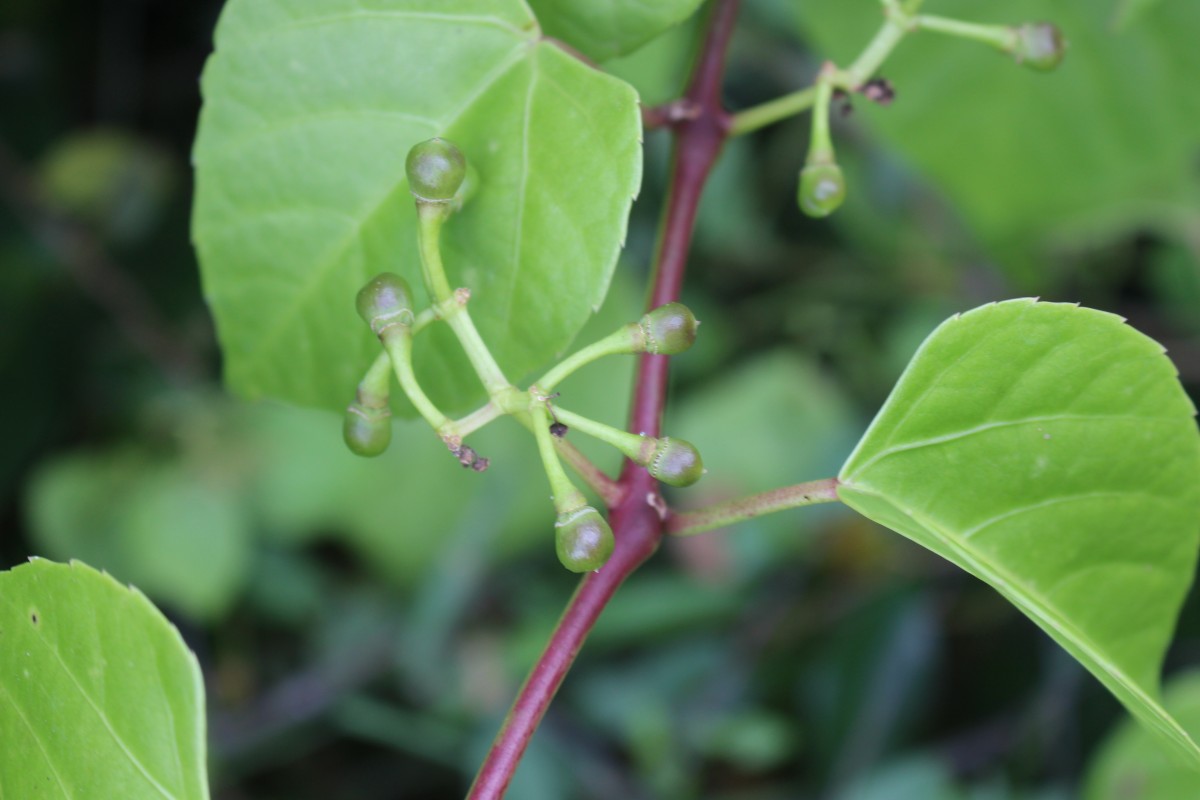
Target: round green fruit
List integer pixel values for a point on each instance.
(669, 329)
(675, 462)
(822, 189)
(367, 431)
(1040, 46)
(435, 169)
(385, 302)
(582, 539)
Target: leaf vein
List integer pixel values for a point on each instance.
(987, 426)
(38, 741)
(518, 236)
(1053, 501)
(116, 737)
(936, 380)
(236, 144)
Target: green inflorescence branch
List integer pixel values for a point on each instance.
(634, 447)
(583, 539)
(1037, 45)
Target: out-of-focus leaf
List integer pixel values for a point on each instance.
(182, 538)
(917, 778)
(753, 741)
(738, 425)
(1131, 765)
(109, 178)
(185, 542)
(867, 685)
(1175, 280)
(645, 701)
(99, 697)
(657, 606)
(658, 70)
(301, 191)
(604, 29)
(1050, 451)
(71, 506)
(1128, 11)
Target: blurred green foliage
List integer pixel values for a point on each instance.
(108, 179)
(1130, 766)
(363, 625)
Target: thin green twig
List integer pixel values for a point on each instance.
(742, 509)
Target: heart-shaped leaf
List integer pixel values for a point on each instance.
(309, 112)
(99, 697)
(1050, 451)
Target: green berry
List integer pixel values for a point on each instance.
(385, 302)
(1039, 46)
(435, 169)
(675, 462)
(822, 189)
(582, 539)
(367, 431)
(669, 329)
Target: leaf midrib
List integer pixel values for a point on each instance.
(104, 720)
(38, 741)
(1036, 606)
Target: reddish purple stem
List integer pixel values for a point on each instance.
(636, 521)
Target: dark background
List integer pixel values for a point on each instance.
(363, 627)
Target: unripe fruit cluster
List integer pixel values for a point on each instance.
(437, 171)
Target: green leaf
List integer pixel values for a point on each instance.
(659, 70)
(99, 697)
(1050, 451)
(186, 542)
(309, 113)
(1128, 11)
(604, 29)
(1131, 766)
